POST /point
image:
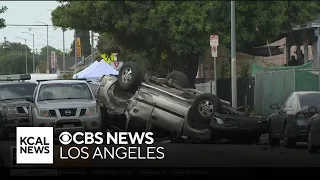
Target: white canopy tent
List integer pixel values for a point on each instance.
(86, 70)
(99, 69)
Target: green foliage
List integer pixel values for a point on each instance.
(3, 9)
(180, 29)
(67, 76)
(245, 70)
(183, 25)
(13, 58)
(43, 51)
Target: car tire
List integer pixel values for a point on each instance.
(205, 105)
(130, 76)
(311, 147)
(179, 78)
(288, 142)
(3, 135)
(199, 119)
(272, 140)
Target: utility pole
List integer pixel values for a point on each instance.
(233, 56)
(75, 49)
(25, 43)
(33, 57)
(4, 43)
(48, 67)
(48, 71)
(63, 55)
(92, 45)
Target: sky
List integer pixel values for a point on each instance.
(30, 13)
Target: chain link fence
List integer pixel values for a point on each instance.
(276, 86)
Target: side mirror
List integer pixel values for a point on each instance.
(30, 99)
(312, 109)
(274, 106)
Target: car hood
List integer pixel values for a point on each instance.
(67, 103)
(18, 103)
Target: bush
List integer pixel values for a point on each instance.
(67, 75)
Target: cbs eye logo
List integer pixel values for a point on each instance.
(65, 138)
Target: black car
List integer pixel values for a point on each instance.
(13, 104)
(290, 122)
(314, 129)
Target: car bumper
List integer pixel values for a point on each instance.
(86, 123)
(10, 123)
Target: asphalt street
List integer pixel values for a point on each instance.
(205, 155)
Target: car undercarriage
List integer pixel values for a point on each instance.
(170, 109)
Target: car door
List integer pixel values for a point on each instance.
(277, 123)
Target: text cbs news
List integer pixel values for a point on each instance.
(116, 145)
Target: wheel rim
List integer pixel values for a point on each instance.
(205, 108)
(126, 75)
(175, 80)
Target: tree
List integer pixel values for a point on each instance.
(13, 58)
(84, 36)
(43, 51)
(3, 9)
(178, 31)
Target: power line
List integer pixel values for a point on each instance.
(28, 25)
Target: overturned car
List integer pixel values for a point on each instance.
(167, 107)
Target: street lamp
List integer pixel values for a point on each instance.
(47, 45)
(33, 60)
(25, 43)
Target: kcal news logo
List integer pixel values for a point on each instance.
(34, 145)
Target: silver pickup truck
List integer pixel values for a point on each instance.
(166, 106)
(66, 105)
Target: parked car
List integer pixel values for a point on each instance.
(314, 130)
(13, 104)
(167, 107)
(66, 105)
(290, 122)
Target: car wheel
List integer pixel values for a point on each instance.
(311, 147)
(130, 76)
(3, 135)
(179, 78)
(272, 140)
(204, 106)
(288, 141)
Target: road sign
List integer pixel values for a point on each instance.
(53, 59)
(214, 40)
(78, 47)
(117, 65)
(214, 51)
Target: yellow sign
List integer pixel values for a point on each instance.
(78, 47)
(108, 59)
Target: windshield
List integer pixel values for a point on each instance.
(307, 100)
(16, 91)
(64, 91)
